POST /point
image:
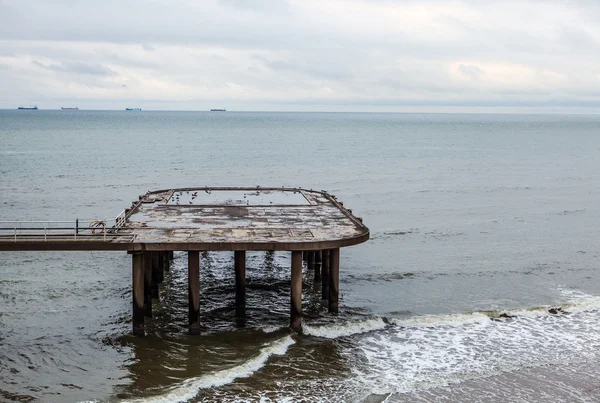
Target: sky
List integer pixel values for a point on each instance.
(306, 55)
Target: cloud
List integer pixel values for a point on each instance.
(470, 71)
(258, 5)
(341, 52)
(319, 69)
(78, 68)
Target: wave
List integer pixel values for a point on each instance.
(578, 302)
(421, 352)
(189, 388)
(432, 351)
(272, 329)
(335, 330)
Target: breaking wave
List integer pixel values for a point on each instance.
(440, 350)
(335, 330)
(189, 388)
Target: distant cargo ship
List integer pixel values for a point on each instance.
(218, 110)
(69, 109)
(30, 108)
(133, 109)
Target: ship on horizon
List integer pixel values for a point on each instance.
(218, 110)
(133, 109)
(69, 108)
(28, 108)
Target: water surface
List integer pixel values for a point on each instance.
(480, 225)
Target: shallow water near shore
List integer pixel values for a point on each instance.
(480, 281)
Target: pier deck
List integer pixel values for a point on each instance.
(312, 225)
(205, 219)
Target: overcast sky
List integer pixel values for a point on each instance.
(378, 55)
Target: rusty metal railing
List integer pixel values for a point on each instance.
(84, 230)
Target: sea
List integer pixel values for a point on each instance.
(480, 283)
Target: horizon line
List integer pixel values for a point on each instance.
(497, 112)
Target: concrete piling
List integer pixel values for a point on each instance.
(166, 261)
(318, 264)
(147, 284)
(137, 269)
(240, 283)
(325, 274)
(296, 291)
(161, 267)
(334, 280)
(194, 291)
(155, 276)
(310, 263)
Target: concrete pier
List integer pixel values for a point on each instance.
(312, 225)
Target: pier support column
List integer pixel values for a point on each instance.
(240, 283)
(147, 284)
(154, 258)
(137, 280)
(296, 291)
(194, 291)
(166, 261)
(334, 280)
(325, 274)
(161, 266)
(171, 255)
(310, 263)
(318, 262)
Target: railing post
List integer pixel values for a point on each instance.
(45, 232)
(75, 233)
(15, 234)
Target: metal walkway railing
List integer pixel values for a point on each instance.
(83, 230)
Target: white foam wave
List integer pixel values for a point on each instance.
(189, 388)
(440, 320)
(270, 329)
(580, 301)
(335, 330)
(433, 351)
(577, 302)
